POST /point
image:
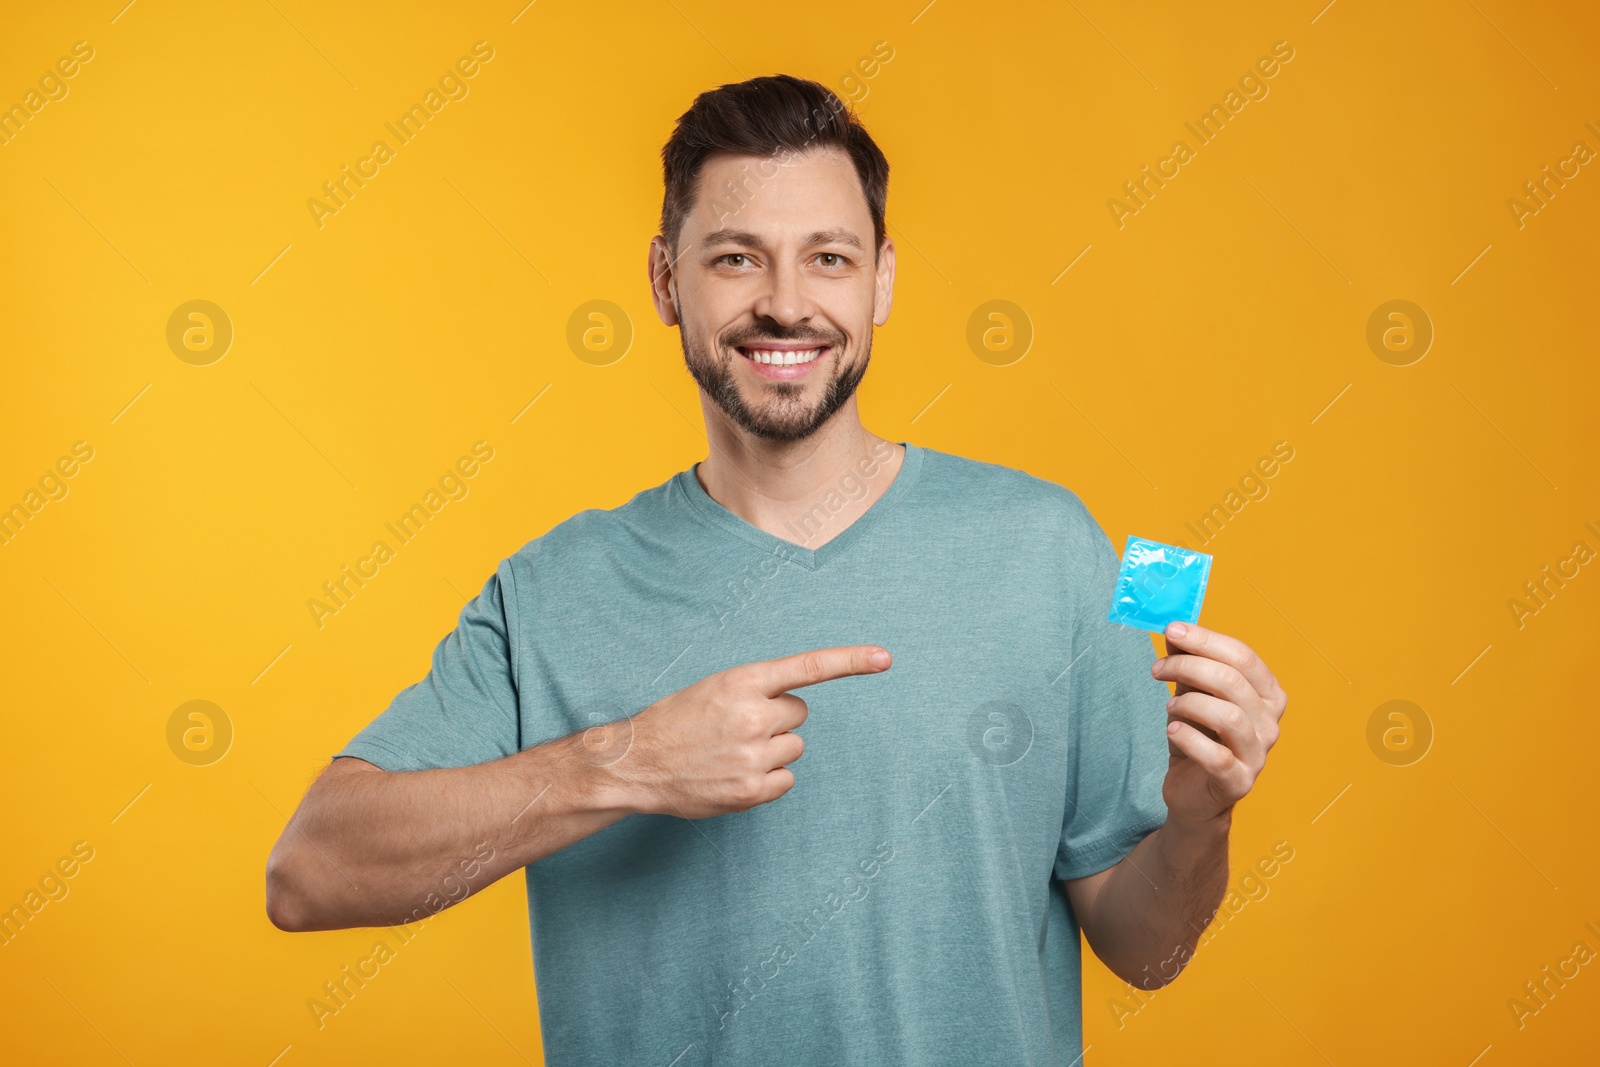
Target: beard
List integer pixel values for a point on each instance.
(781, 414)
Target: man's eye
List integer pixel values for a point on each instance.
(732, 255)
(835, 256)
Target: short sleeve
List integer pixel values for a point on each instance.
(1116, 728)
(465, 711)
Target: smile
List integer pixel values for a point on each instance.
(782, 357)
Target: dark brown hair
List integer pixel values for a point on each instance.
(776, 116)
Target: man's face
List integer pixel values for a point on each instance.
(775, 289)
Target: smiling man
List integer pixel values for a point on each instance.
(616, 712)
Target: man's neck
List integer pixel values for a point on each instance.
(804, 491)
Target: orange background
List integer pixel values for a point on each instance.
(1228, 314)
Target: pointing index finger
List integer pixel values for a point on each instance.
(777, 676)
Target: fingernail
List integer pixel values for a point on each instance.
(1170, 702)
(1177, 629)
(879, 659)
(1173, 727)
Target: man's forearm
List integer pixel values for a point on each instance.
(370, 848)
(1158, 899)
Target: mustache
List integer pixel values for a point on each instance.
(778, 338)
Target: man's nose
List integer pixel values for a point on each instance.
(784, 297)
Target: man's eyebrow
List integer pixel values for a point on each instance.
(817, 237)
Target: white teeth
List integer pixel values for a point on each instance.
(784, 359)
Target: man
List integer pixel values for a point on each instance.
(616, 711)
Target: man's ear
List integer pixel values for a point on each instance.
(883, 297)
(658, 265)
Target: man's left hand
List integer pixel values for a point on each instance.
(1221, 721)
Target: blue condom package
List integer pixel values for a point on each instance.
(1159, 584)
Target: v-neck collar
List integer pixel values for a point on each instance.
(809, 558)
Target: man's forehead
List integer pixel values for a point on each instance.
(754, 199)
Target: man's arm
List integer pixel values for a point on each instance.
(369, 847)
(1144, 915)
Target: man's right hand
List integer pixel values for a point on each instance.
(722, 744)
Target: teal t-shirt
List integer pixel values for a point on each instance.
(903, 903)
